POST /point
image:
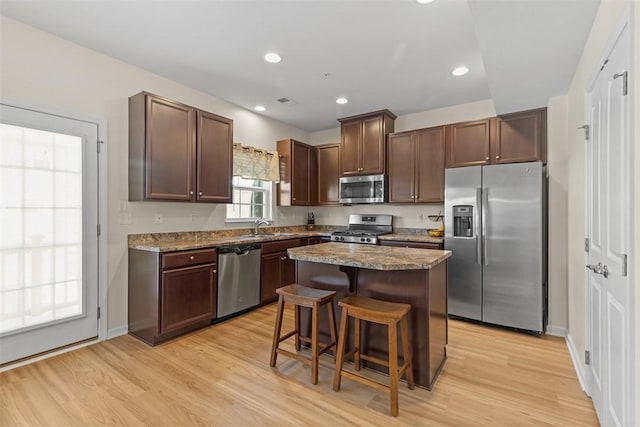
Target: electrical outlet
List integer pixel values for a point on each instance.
(124, 218)
(157, 218)
(420, 217)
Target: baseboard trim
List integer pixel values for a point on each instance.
(577, 363)
(556, 331)
(117, 331)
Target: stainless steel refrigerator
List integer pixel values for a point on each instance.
(495, 225)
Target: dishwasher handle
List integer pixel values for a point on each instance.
(241, 252)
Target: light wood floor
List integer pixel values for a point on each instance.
(221, 376)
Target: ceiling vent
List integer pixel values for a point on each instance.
(287, 101)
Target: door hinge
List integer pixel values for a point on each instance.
(624, 265)
(625, 87)
(99, 229)
(587, 357)
(586, 244)
(98, 142)
(98, 312)
(586, 131)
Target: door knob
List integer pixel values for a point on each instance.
(599, 269)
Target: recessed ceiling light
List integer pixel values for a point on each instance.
(272, 57)
(260, 108)
(460, 71)
(342, 100)
(424, 1)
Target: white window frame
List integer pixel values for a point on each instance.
(268, 198)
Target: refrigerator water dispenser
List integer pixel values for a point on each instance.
(463, 221)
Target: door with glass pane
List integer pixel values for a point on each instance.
(48, 232)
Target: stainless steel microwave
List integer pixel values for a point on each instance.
(363, 189)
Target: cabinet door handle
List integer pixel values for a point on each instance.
(191, 257)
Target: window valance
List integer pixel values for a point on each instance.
(255, 163)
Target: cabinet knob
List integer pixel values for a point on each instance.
(191, 257)
(497, 157)
(486, 158)
(214, 271)
(294, 198)
(191, 193)
(200, 193)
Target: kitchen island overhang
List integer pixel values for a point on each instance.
(407, 275)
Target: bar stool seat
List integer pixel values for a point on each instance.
(382, 312)
(303, 296)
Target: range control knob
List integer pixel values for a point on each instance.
(342, 238)
(368, 239)
(362, 239)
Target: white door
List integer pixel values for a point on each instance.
(48, 232)
(609, 231)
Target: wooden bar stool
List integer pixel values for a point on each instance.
(382, 312)
(302, 296)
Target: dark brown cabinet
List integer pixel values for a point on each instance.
(298, 173)
(362, 149)
(328, 174)
(410, 244)
(509, 138)
(468, 143)
(277, 269)
(171, 293)
(520, 137)
(214, 156)
(416, 166)
(178, 153)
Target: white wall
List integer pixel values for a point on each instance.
(45, 71)
(606, 22)
(557, 154)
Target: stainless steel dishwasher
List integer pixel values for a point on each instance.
(238, 278)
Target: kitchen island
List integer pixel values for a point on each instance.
(414, 276)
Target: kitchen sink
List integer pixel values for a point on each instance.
(255, 236)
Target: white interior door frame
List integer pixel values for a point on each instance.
(626, 23)
(102, 131)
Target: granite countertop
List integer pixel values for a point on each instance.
(369, 256)
(169, 242)
(181, 241)
(412, 237)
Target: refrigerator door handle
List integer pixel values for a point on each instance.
(485, 220)
(476, 227)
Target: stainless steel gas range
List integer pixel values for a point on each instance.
(364, 229)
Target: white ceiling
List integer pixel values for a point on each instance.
(393, 54)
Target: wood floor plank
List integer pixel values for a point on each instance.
(220, 376)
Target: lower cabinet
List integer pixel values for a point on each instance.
(171, 293)
(277, 269)
(409, 244)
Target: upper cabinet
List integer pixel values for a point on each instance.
(178, 153)
(298, 173)
(469, 143)
(214, 156)
(416, 166)
(363, 142)
(328, 174)
(520, 137)
(510, 138)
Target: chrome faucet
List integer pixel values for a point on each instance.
(259, 222)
